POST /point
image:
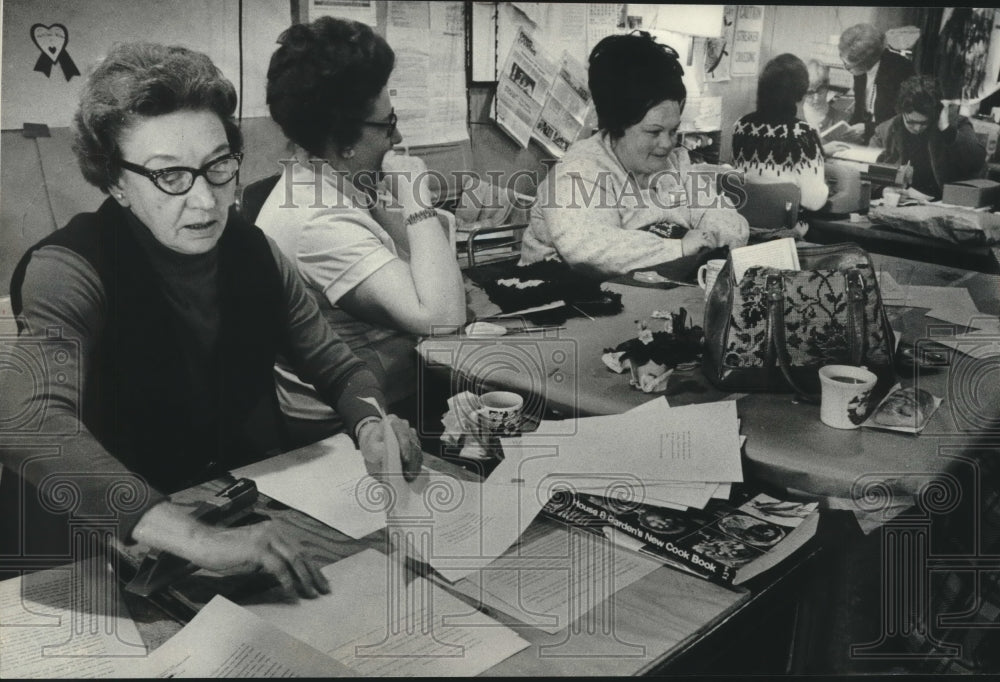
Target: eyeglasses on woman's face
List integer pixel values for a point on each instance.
(389, 123)
(177, 180)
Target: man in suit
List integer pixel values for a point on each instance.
(878, 73)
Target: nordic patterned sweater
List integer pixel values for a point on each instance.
(788, 150)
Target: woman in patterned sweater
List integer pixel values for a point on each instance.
(772, 144)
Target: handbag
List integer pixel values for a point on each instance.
(774, 329)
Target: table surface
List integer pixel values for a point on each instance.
(561, 373)
(638, 629)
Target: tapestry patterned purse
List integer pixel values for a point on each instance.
(774, 329)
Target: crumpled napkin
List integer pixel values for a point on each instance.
(461, 426)
(651, 377)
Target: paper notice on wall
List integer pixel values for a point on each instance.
(602, 21)
(356, 10)
(565, 109)
(524, 83)
(430, 106)
(746, 43)
(701, 115)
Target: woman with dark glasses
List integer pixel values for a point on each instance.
(158, 319)
(381, 274)
(933, 139)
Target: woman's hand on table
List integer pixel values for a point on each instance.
(371, 438)
(260, 547)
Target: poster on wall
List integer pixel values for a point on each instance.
(565, 109)
(718, 51)
(522, 88)
(746, 42)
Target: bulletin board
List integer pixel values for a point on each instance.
(49, 46)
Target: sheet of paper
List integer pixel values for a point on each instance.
(325, 480)
(967, 318)
(934, 298)
(777, 253)
(652, 443)
(67, 622)
(524, 83)
(547, 579)
(980, 345)
(225, 640)
(856, 152)
(379, 622)
(355, 10)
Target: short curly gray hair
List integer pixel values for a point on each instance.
(862, 45)
(140, 80)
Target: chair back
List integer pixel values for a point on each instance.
(253, 196)
(769, 205)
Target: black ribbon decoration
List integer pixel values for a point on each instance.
(45, 62)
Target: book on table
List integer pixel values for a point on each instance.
(727, 542)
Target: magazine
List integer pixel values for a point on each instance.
(726, 542)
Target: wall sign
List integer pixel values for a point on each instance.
(51, 41)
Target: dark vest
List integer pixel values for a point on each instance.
(136, 382)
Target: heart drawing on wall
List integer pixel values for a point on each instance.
(51, 41)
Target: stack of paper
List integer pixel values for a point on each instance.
(676, 457)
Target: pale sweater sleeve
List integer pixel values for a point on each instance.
(709, 210)
(582, 220)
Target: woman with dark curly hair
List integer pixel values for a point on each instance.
(624, 198)
(381, 277)
(940, 145)
(163, 313)
(772, 144)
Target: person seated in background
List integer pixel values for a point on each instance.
(619, 200)
(878, 73)
(326, 89)
(772, 144)
(932, 138)
(817, 107)
(164, 312)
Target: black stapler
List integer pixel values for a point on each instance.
(159, 571)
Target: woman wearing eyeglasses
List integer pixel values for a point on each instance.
(932, 138)
(159, 318)
(381, 274)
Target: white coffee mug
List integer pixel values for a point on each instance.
(500, 413)
(845, 395)
(708, 273)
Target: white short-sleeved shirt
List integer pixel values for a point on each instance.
(320, 223)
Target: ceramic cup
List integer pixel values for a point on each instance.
(845, 391)
(500, 413)
(708, 273)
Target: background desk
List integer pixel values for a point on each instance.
(882, 239)
(561, 374)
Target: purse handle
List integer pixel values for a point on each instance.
(776, 333)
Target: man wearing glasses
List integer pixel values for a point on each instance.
(877, 73)
(931, 137)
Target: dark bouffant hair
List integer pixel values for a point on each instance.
(783, 83)
(921, 94)
(629, 75)
(323, 80)
(140, 80)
